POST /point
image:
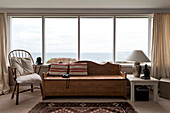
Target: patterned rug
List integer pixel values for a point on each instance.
(111, 107)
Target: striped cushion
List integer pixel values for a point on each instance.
(58, 69)
(78, 69)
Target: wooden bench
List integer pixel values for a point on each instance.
(102, 80)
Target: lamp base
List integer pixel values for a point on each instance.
(137, 70)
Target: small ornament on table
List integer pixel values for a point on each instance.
(38, 62)
(146, 73)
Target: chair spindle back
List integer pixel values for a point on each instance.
(19, 53)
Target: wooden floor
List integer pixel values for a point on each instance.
(28, 100)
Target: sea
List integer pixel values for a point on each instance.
(96, 57)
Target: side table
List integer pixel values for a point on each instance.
(138, 81)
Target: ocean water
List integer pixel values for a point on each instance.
(96, 57)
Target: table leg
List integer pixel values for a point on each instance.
(155, 92)
(132, 92)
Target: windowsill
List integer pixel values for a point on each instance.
(131, 64)
(43, 65)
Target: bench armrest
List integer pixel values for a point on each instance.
(45, 74)
(123, 74)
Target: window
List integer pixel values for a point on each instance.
(26, 33)
(131, 34)
(61, 38)
(96, 39)
(85, 37)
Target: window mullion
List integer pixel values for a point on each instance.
(78, 38)
(9, 39)
(43, 39)
(114, 39)
(149, 36)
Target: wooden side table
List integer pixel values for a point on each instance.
(138, 81)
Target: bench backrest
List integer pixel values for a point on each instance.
(102, 69)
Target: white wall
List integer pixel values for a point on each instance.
(84, 3)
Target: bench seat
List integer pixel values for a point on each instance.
(92, 77)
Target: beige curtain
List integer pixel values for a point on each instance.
(4, 79)
(160, 56)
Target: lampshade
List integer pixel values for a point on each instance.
(138, 56)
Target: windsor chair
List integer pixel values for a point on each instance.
(23, 71)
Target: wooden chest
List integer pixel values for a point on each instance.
(85, 86)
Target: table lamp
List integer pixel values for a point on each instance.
(138, 56)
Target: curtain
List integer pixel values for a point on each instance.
(4, 78)
(160, 55)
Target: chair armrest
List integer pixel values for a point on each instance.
(35, 68)
(123, 74)
(13, 69)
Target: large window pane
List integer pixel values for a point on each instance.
(131, 34)
(96, 39)
(26, 33)
(61, 39)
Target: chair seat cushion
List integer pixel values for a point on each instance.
(31, 78)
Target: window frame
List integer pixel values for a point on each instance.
(68, 17)
(102, 17)
(149, 34)
(79, 16)
(9, 33)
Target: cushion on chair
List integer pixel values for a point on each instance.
(16, 63)
(27, 66)
(78, 69)
(24, 66)
(31, 78)
(58, 69)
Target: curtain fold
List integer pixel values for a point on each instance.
(4, 78)
(160, 55)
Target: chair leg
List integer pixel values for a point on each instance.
(17, 93)
(13, 91)
(31, 87)
(41, 89)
